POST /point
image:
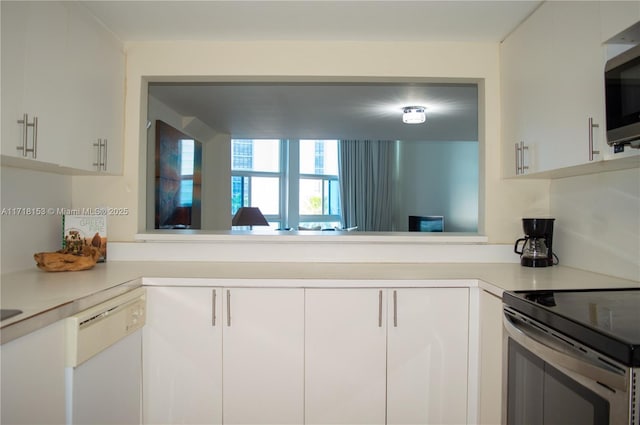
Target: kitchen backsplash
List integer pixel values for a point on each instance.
(32, 206)
(597, 225)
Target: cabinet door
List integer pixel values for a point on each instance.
(45, 81)
(490, 358)
(263, 367)
(428, 331)
(345, 356)
(64, 68)
(552, 84)
(96, 102)
(576, 88)
(182, 356)
(14, 20)
(526, 67)
(617, 16)
(33, 386)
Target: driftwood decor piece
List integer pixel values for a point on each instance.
(62, 261)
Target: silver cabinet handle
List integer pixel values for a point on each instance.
(228, 307)
(34, 150)
(522, 149)
(395, 309)
(591, 127)
(98, 162)
(25, 137)
(101, 162)
(213, 307)
(23, 121)
(380, 308)
(104, 156)
(520, 167)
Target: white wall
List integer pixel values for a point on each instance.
(502, 203)
(22, 234)
(438, 178)
(597, 225)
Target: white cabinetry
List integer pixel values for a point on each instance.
(182, 356)
(63, 70)
(552, 88)
(617, 16)
(245, 343)
(490, 359)
(96, 63)
(240, 355)
(345, 358)
(34, 82)
(263, 356)
(33, 386)
(386, 356)
(427, 355)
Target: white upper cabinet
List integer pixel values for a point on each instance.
(552, 70)
(97, 101)
(617, 16)
(65, 72)
(34, 80)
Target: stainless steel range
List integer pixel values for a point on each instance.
(573, 357)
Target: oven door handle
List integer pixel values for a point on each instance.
(561, 354)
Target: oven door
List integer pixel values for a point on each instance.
(551, 379)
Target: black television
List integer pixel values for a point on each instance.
(428, 223)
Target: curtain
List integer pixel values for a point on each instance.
(366, 169)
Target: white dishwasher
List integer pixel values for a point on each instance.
(103, 374)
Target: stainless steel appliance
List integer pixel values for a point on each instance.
(536, 248)
(572, 357)
(622, 98)
(103, 375)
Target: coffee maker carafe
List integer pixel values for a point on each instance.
(535, 248)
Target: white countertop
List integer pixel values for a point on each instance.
(45, 297)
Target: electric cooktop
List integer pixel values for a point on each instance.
(606, 320)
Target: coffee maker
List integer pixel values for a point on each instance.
(535, 248)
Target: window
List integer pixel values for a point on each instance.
(256, 176)
(187, 158)
(319, 188)
(294, 183)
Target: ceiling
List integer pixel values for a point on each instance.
(361, 20)
(319, 111)
(328, 111)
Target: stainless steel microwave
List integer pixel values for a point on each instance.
(622, 98)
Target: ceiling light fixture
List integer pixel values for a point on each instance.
(413, 115)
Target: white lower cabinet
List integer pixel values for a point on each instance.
(490, 359)
(394, 356)
(314, 356)
(33, 386)
(182, 357)
(345, 344)
(263, 356)
(203, 342)
(427, 356)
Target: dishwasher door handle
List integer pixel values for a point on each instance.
(97, 328)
